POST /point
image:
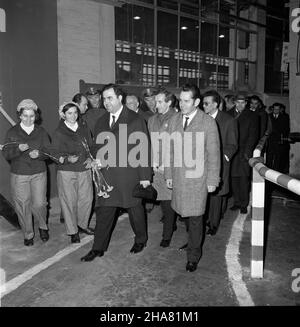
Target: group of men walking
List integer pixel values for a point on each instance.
(195, 156)
(190, 150)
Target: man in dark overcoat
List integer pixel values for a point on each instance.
(117, 133)
(228, 133)
(248, 129)
(278, 147)
(256, 105)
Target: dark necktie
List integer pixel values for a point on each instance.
(113, 121)
(186, 123)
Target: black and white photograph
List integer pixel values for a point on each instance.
(149, 159)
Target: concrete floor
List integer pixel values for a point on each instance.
(155, 277)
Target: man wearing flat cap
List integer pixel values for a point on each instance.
(248, 130)
(95, 110)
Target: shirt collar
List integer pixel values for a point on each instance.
(214, 115)
(72, 127)
(116, 114)
(29, 129)
(191, 116)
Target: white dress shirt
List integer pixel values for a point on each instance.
(191, 116)
(116, 114)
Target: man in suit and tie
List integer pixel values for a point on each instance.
(248, 129)
(123, 175)
(197, 140)
(228, 133)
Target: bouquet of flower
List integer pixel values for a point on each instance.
(102, 187)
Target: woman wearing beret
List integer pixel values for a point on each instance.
(24, 148)
(70, 143)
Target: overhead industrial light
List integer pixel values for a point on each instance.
(137, 17)
(221, 36)
(184, 27)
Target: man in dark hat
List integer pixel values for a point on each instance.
(95, 110)
(248, 130)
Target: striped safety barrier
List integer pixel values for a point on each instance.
(260, 173)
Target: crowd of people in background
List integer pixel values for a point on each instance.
(231, 127)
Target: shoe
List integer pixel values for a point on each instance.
(88, 231)
(137, 247)
(92, 255)
(28, 242)
(211, 231)
(235, 207)
(243, 210)
(183, 247)
(44, 234)
(165, 243)
(75, 238)
(191, 266)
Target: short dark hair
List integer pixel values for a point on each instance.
(215, 95)
(192, 88)
(230, 97)
(77, 98)
(68, 106)
(168, 95)
(277, 104)
(175, 102)
(149, 92)
(117, 89)
(258, 99)
(255, 97)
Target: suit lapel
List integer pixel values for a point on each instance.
(121, 120)
(193, 121)
(180, 120)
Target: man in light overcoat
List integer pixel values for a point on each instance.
(194, 168)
